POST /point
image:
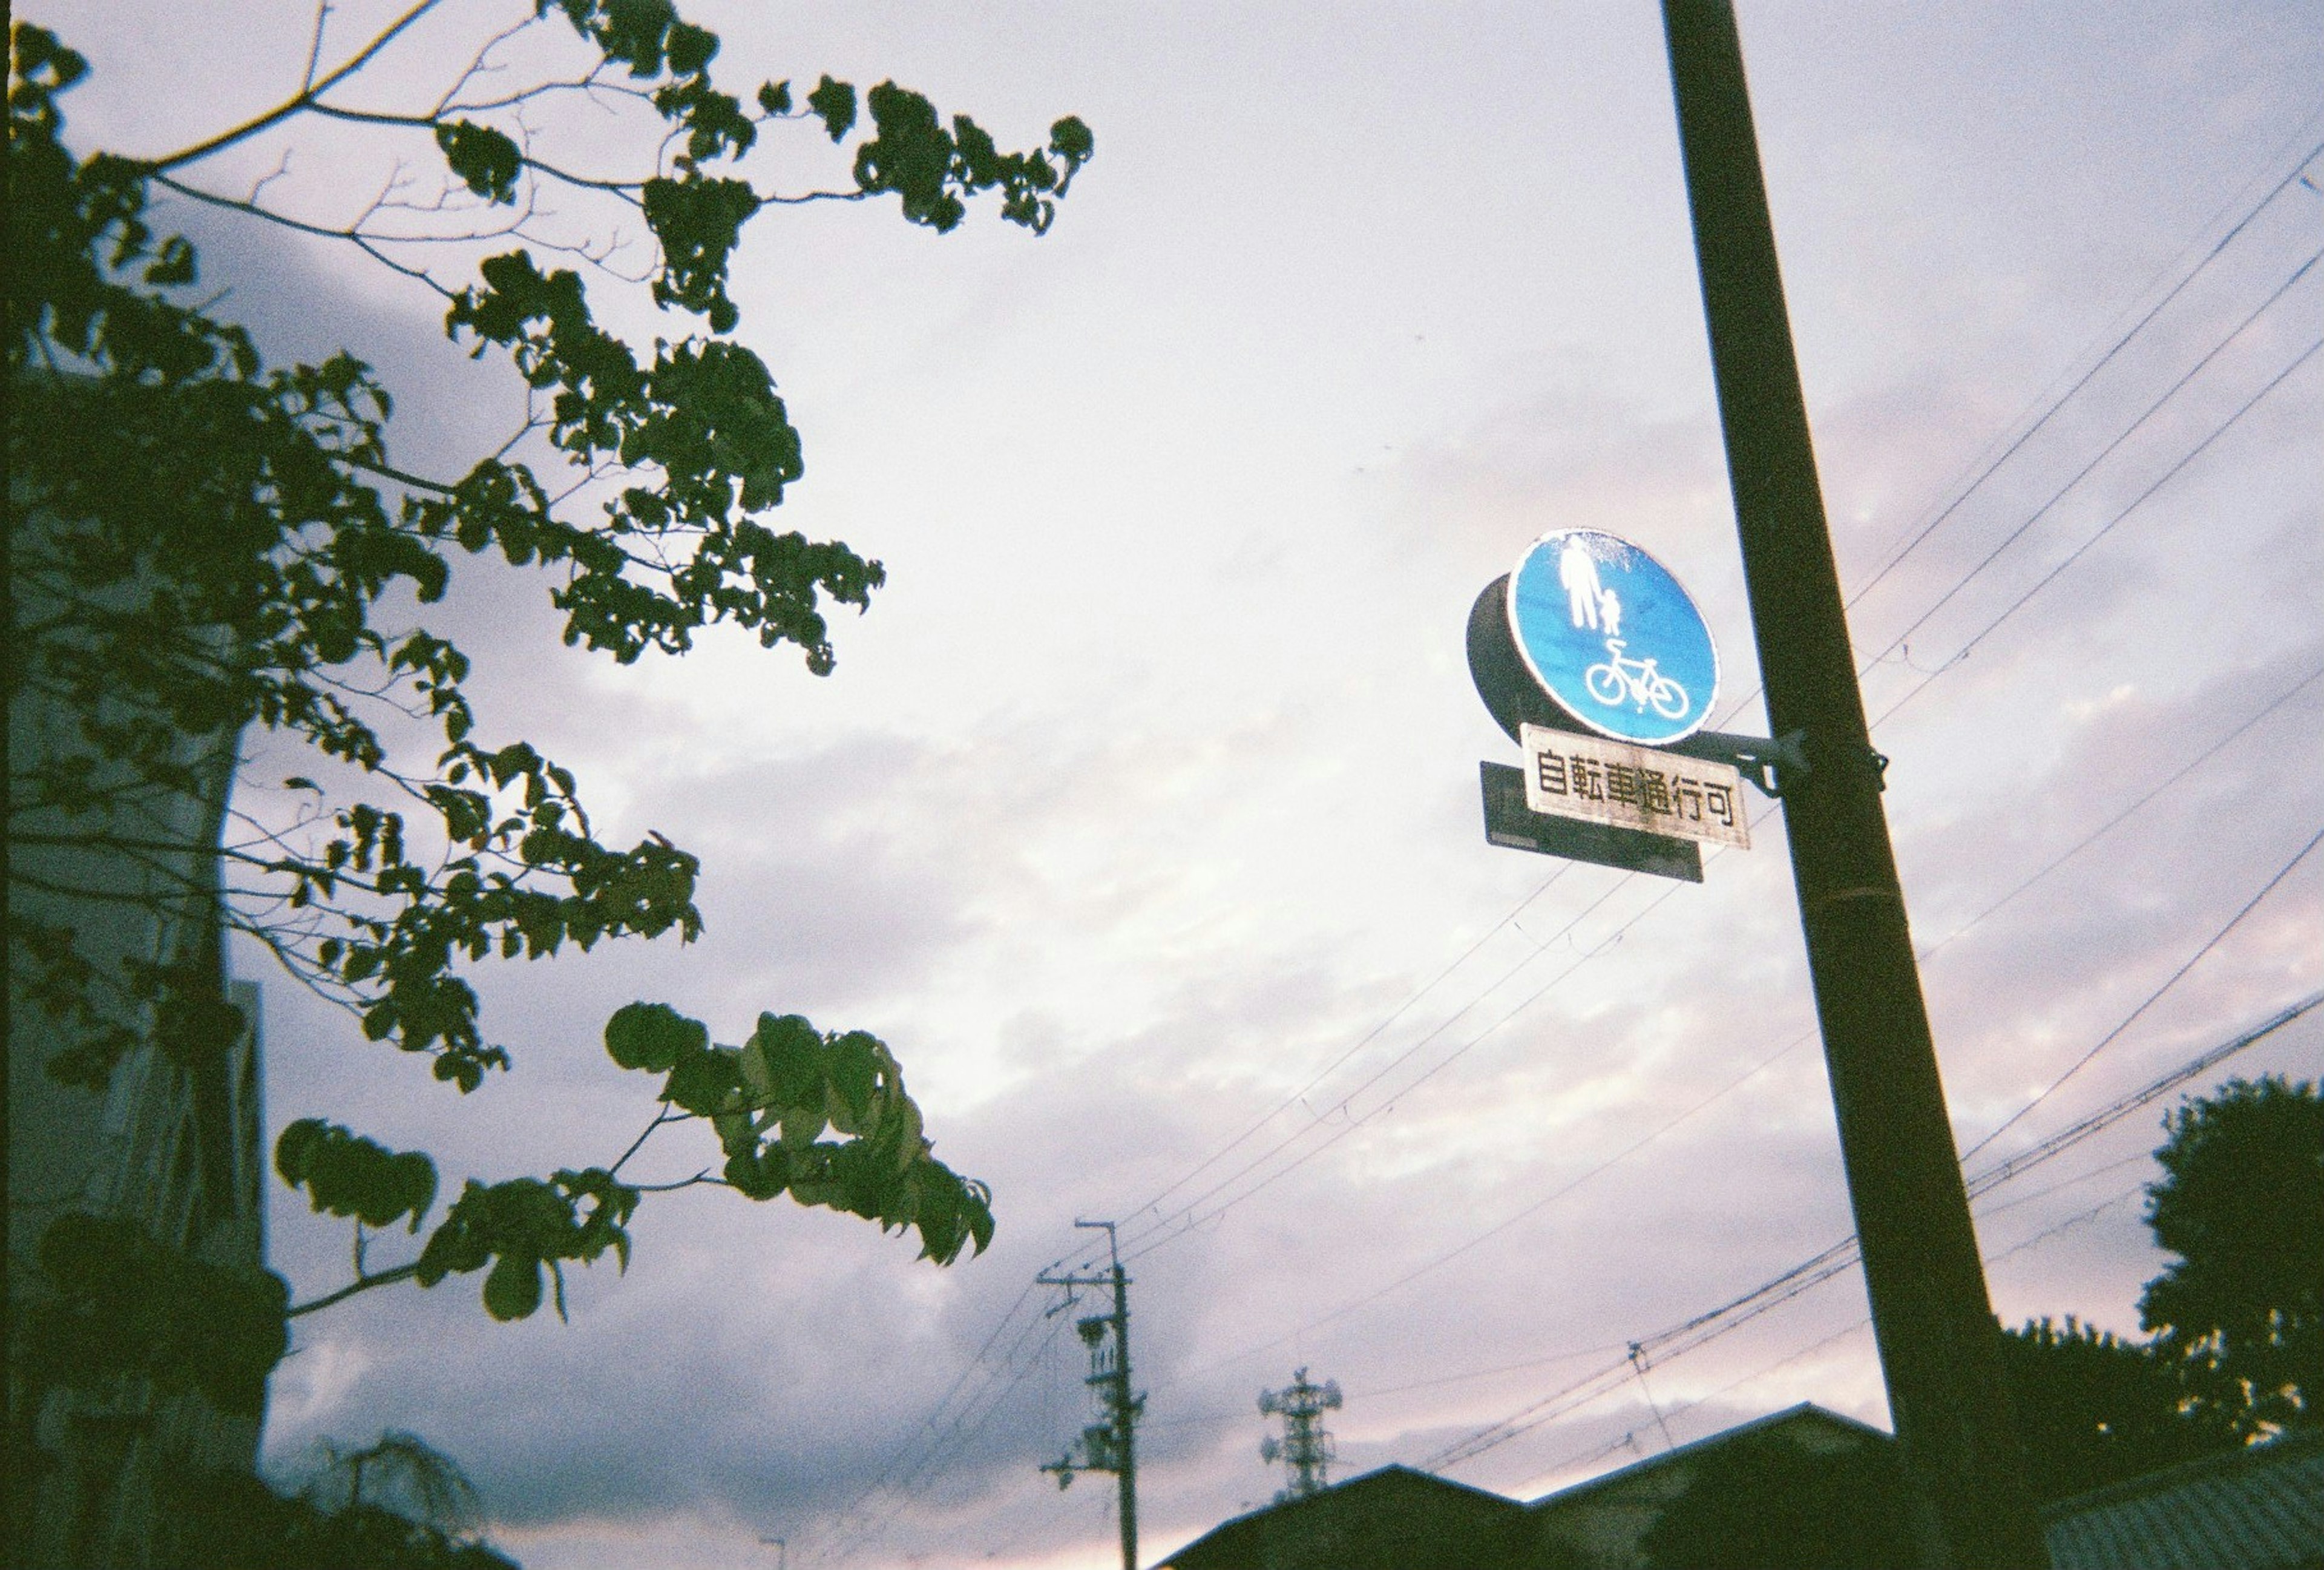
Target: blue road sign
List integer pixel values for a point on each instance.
(1612, 638)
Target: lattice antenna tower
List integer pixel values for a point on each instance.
(1305, 1448)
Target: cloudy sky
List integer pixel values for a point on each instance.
(1141, 814)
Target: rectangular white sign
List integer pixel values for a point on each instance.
(1568, 774)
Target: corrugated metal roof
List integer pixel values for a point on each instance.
(2260, 1509)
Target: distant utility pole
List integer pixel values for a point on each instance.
(1940, 1344)
(1305, 1448)
(1110, 1444)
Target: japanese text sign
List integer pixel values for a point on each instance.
(1568, 774)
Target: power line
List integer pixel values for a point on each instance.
(1356, 1121)
(942, 1443)
(1703, 1328)
(2104, 453)
(2084, 842)
(2152, 998)
(1345, 1103)
(1184, 1219)
(1368, 1037)
(2057, 403)
(1526, 1214)
(1534, 1208)
(2107, 528)
(1166, 1229)
(2115, 1112)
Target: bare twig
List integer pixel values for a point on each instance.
(305, 100)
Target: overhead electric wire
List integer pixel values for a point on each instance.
(1355, 1120)
(1531, 1210)
(1368, 1037)
(2152, 998)
(1191, 1220)
(1308, 1326)
(1900, 640)
(1184, 1218)
(958, 1440)
(2079, 551)
(2074, 1134)
(1187, 1213)
(2056, 403)
(2062, 1184)
(1299, 1096)
(1863, 1321)
(1629, 1440)
(2016, 443)
(964, 1426)
(928, 1423)
(1701, 1328)
(2054, 862)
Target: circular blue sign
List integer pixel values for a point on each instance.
(1611, 636)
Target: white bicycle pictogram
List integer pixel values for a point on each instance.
(1618, 680)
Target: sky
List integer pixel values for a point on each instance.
(1140, 816)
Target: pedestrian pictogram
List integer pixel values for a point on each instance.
(1612, 638)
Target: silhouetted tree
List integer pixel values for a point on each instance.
(205, 548)
(2240, 1311)
(401, 1473)
(200, 545)
(2094, 1408)
(233, 1521)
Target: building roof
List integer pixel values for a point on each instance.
(2260, 1508)
(1412, 1505)
(1807, 1414)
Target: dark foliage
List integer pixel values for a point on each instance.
(2241, 1205)
(233, 1521)
(151, 637)
(2094, 1409)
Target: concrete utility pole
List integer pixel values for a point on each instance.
(1111, 1445)
(1940, 1344)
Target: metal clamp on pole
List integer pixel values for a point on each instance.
(1766, 763)
(1850, 757)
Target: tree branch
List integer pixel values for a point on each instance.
(305, 100)
(360, 242)
(361, 1284)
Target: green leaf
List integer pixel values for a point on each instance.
(853, 1070)
(835, 103)
(782, 1062)
(775, 98)
(691, 49)
(513, 1289)
(736, 1134)
(652, 1036)
(704, 1080)
(486, 161)
(415, 1184)
(295, 1148)
(1071, 141)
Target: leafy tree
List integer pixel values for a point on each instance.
(203, 546)
(401, 1472)
(2241, 1204)
(2093, 1408)
(233, 1521)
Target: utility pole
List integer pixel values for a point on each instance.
(1940, 1344)
(1305, 1448)
(1111, 1445)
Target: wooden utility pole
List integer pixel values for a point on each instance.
(1940, 1344)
